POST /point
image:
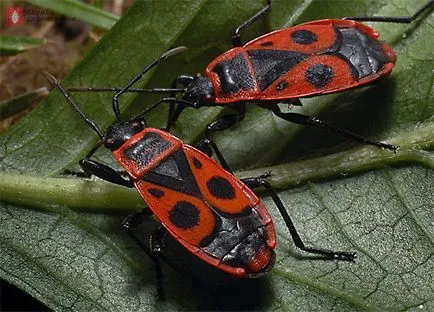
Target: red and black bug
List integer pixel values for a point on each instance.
(310, 59)
(200, 203)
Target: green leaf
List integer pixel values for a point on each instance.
(20, 102)
(14, 45)
(80, 10)
(60, 244)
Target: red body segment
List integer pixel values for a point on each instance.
(132, 166)
(278, 62)
(208, 210)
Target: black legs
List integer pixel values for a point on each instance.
(133, 220)
(104, 172)
(391, 19)
(206, 143)
(252, 183)
(228, 121)
(329, 254)
(176, 110)
(205, 146)
(236, 37)
(312, 121)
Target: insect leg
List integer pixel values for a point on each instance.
(312, 121)
(224, 123)
(117, 89)
(391, 19)
(173, 115)
(329, 254)
(102, 171)
(227, 121)
(157, 240)
(236, 37)
(205, 146)
(133, 220)
(220, 124)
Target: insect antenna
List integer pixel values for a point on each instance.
(90, 122)
(140, 75)
(131, 90)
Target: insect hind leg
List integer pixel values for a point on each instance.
(132, 221)
(256, 182)
(393, 19)
(312, 121)
(236, 37)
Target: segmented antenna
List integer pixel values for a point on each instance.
(90, 122)
(140, 75)
(132, 90)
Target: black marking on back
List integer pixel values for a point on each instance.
(247, 249)
(230, 239)
(234, 75)
(266, 44)
(364, 54)
(269, 65)
(217, 227)
(174, 172)
(184, 215)
(337, 44)
(146, 149)
(197, 163)
(304, 36)
(246, 211)
(282, 85)
(220, 187)
(220, 217)
(168, 168)
(227, 218)
(319, 75)
(157, 193)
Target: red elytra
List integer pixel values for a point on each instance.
(313, 43)
(180, 177)
(309, 44)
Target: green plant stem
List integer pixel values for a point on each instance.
(414, 148)
(38, 192)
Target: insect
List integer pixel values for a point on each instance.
(214, 215)
(311, 59)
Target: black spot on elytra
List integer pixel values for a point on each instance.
(319, 75)
(214, 234)
(266, 44)
(303, 36)
(157, 193)
(206, 241)
(197, 163)
(184, 215)
(246, 211)
(282, 85)
(271, 64)
(220, 188)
